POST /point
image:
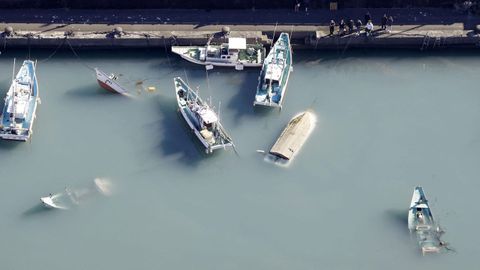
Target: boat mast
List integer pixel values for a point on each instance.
(14, 88)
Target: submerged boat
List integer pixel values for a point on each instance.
(236, 53)
(72, 197)
(110, 83)
(273, 79)
(422, 223)
(201, 119)
(293, 136)
(20, 104)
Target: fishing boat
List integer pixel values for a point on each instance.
(422, 223)
(236, 53)
(201, 118)
(20, 106)
(273, 79)
(110, 83)
(72, 197)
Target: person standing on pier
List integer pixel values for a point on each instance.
(389, 24)
(350, 24)
(358, 25)
(332, 27)
(369, 28)
(384, 22)
(368, 17)
(341, 28)
(306, 3)
(297, 5)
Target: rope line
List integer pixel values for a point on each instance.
(78, 56)
(54, 52)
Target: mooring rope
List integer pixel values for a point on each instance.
(54, 52)
(78, 56)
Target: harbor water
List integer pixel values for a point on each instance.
(386, 122)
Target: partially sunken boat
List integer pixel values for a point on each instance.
(72, 197)
(20, 104)
(201, 119)
(236, 53)
(422, 223)
(273, 79)
(293, 136)
(110, 83)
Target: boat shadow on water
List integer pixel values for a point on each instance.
(242, 102)
(9, 145)
(93, 91)
(176, 139)
(37, 210)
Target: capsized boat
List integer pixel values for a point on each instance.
(294, 136)
(201, 119)
(72, 197)
(421, 222)
(273, 79)
(236, 53)
(110, 83)
(21, 101)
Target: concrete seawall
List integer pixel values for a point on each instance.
(303, 36)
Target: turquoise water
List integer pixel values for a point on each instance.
(387, 121)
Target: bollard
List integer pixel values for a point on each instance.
(8, 31)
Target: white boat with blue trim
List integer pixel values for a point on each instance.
(21, 101)
(201, 118)
(273, 79)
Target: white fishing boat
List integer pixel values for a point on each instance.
(273, 79)
(201, 118)
(110, 83)
(20, 106)
(236, 53)
(422, 223)
(72, 197)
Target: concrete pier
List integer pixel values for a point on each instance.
(430, 29)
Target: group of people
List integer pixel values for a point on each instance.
(352, 26)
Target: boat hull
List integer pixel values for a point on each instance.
(108, 84)
(262, 97)
(182, 52)
(21, 131)
(183, 108)
(422, 223)
(293, 136)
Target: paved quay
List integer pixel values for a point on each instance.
(413, 28)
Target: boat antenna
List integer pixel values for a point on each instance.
(274, 30)
(290, 38)
(12, 117)
(219, 104)
(186, 77)
(13, 70)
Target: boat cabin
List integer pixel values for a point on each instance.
(227, 52)
(205, 116)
